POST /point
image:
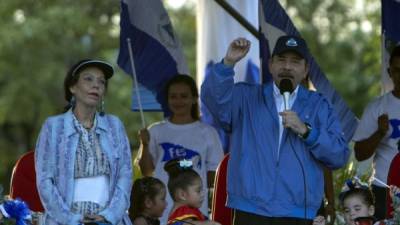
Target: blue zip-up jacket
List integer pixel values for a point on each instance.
(263, 180)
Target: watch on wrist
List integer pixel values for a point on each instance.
(305, 135)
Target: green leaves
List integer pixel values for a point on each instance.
(39, 40)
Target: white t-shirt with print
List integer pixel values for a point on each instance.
(387, 148)
(196, 141)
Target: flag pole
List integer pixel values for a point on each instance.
(238, 17)
(136, 82)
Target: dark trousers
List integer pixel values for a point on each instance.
(245, 218)
(380, 201)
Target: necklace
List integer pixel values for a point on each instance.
(87, 127)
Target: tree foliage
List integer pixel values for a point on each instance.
(39, 41)
(344, 37)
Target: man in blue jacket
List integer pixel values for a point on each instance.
(279, 144)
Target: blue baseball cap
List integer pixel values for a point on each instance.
(291, 43)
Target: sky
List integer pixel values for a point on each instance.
(177, 3)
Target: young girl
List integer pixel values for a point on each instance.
(181, 135)
(186, 189)
(357, 202)
(147, 201)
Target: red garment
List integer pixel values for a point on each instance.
(221, 213)
(185, 212)
(393, 179)
(23, 182)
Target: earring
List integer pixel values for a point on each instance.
(102, 108)
(72, 102)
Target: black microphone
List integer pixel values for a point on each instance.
(286, 88)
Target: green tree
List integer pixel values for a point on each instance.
(344, 38)
(39, 41)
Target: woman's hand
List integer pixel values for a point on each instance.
(394, 190)
(383, 124)
(93, 219)
(144, 136)
(319, 220)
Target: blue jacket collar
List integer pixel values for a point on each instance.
(298, 105)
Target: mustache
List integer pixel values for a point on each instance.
(286, 75)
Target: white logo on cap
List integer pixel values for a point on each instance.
(291, 42)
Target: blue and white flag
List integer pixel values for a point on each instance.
(156, 49)
(390, 37)
(274, 22)
(216, 29)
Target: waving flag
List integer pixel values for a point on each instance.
(156, 50)
(216, 29)
(390, 37)
(274, 22)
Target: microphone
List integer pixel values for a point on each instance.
(286, 88)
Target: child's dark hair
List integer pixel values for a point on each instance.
(189, 81)
(181, 176)
(146, 187)
(364, 193)
(394, 54)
